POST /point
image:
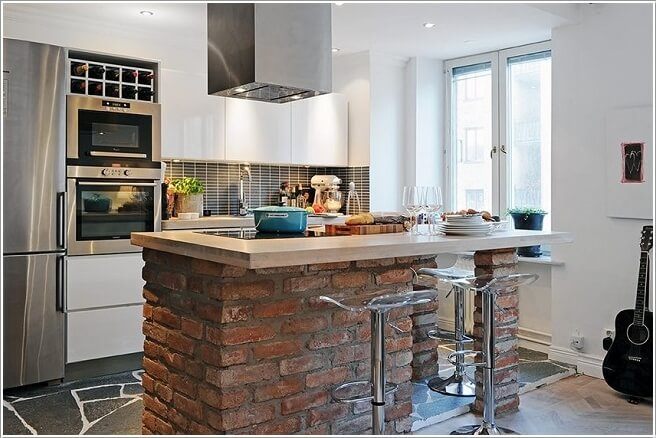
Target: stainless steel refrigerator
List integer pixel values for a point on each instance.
(34, 176)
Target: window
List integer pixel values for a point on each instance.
(475, 199)
(499, 122)
(473, 148)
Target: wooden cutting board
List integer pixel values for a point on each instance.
(347, 230)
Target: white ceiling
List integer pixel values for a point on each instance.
(461, 29)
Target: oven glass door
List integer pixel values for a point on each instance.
(113, 210)
(113, 134)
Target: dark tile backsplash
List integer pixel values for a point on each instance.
(222, 182)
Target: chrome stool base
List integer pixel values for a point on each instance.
(483, 429)
(461, 386)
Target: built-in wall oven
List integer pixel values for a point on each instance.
(102, 131)
(106, 204)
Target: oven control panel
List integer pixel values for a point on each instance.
(114, 171)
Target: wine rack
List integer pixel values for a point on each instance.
(115, 81)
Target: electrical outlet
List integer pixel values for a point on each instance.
(610, 333)
(576, 342)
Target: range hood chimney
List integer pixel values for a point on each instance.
(269, 52)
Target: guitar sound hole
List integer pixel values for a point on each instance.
(637, 334)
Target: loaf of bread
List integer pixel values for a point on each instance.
(360, 219)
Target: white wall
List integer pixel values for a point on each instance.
(387, 132)
(602, 63)
(424, 130)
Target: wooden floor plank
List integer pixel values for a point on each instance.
(578, 405)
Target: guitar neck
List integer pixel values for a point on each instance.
(642, 298)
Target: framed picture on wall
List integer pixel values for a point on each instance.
(629, 153)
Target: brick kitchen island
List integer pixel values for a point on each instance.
(237, 341)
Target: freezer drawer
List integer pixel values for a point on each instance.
(33, 321)
(112, 331)
(104, 280)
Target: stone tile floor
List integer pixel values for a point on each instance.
(106, 405)
(112, 404)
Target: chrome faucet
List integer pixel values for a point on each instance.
(244, 171)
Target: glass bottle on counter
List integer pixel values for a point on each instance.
(283, 195)
(352, 201)
(300, 197)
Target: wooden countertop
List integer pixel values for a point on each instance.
(270, 253)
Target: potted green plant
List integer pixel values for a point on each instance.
(188, 195)
(528, 218)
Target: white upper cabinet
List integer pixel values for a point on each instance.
(320, 130)
(258, 131)
(193, 122)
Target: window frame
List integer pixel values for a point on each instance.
(500, 129)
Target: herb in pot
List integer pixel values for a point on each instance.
(187, 186)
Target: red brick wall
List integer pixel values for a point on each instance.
(230, 350)
(499, 262)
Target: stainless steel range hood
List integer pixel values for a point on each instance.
(270, 52)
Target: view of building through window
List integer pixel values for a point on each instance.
(472, 123)
(529, 131)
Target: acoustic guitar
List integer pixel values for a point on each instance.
(627, 367)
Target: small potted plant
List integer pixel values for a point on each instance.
(527, 218)
(188, 195)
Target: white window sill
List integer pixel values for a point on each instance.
(542, 260)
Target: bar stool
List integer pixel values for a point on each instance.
(458, 384)
(489, 287)
(377, 387)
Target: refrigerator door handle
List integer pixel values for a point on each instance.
(61, 219)
(61, 283)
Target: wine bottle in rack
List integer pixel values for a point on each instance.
(112, 90)
(145, 93)
(78, 86)
(112, 74)
(79, 68)
(129, 75)
(128, 92)
(96, 71)
(145, 77)
(95, 88)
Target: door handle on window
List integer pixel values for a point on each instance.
(503, 148)
(493, 151)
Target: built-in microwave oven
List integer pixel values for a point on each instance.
(101, 132)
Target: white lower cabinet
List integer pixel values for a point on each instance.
(98, 333)
(104, 306)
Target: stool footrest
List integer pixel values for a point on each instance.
(445, 335)
(359, 390)
(452, 358)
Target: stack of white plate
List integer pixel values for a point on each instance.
(465, 225)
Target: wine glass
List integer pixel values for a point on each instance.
(432, 204)
(412, 204)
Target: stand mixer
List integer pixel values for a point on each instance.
(323, 186)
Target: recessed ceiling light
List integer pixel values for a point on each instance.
(296, 97)
(335, 49)
(339, 3)
(239, 90)
(429, 25)
(147, 13)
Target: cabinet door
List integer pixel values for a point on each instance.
(111, 331)
(258, 131)
(193, 122)
(320, 130)
(103, 280)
